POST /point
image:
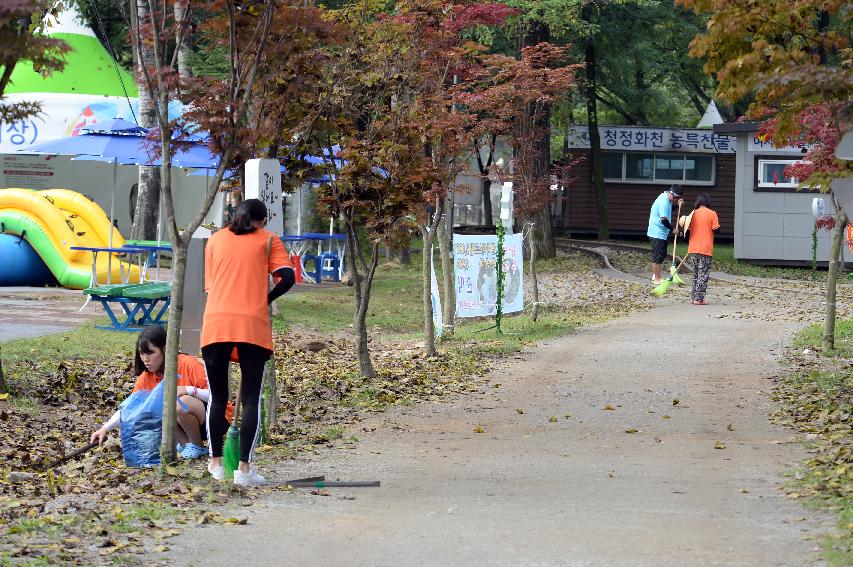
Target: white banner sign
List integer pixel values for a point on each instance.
(263, 181)
(765, 146)
(474, 261)
(636, 138)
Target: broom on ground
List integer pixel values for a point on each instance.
(664, 285)
(231, 449)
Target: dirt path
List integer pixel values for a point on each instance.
(578, 491)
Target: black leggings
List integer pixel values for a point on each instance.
(252, 359)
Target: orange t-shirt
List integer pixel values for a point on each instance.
(191, 372)
(236, 277)
(702, 226)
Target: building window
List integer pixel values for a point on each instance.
(628, 167)
(612, 165)
(771, 173)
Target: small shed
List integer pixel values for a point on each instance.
(641, 162)
(773, 219)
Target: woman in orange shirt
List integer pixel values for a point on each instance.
(237, 262)
(702, 226)
(193, 391)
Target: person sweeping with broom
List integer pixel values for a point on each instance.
(237, 263)
(702, 224)
(660, 225)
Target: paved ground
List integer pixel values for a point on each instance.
(579, 491)
(37, 311)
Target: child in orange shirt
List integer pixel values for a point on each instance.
(193, 391)
(702, 225)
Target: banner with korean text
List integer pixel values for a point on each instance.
(474, 259)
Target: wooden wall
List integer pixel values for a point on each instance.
(628, 205)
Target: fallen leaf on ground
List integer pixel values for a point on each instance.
(719, 445)
(676, 401)
(631, 430)
(479, 429)
(608, 407)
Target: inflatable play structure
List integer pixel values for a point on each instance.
(49, 224)
(91, 88)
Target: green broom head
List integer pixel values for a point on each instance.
(231, 451)
(661, 289)
(675, 277)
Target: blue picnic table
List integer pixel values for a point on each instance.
(143, 304)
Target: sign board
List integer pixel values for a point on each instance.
(435, 297)
(635, 139)
(476, 278)
(765, 146)
(263, 181)
(818, 207)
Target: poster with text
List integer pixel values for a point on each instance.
(263, 181)
(474, 260)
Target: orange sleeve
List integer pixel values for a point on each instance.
(192, 371)
(279, 257)
(716, 221)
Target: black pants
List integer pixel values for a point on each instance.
(252, 359)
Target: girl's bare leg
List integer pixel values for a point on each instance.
(191, 419)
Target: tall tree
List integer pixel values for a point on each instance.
(369, 134)
(793, 59)
(514, 95)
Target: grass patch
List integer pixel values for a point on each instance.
(817, 398)
(395, 303)
(812, 337)
(85, 341)
(480, 337)
(138, 516)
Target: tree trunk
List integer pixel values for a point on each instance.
(834, 258)
(486, 186)
(182, 14)
(2, 377)
(364, 362)
(534, 279)
(485, 181)
(540, 32)
(428, 233)
(406, 255)
(148, 188)
(173, 342)
(362, 284)
(595, 144)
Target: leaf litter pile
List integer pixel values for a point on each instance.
(94, 510)
(816, 395)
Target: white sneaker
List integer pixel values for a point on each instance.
(251, 478)
(216, 472)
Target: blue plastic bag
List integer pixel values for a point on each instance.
(141, 427)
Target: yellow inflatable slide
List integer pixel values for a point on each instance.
(55, 220)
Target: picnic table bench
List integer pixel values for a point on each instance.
(135, 300)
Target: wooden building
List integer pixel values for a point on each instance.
(640, 163)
